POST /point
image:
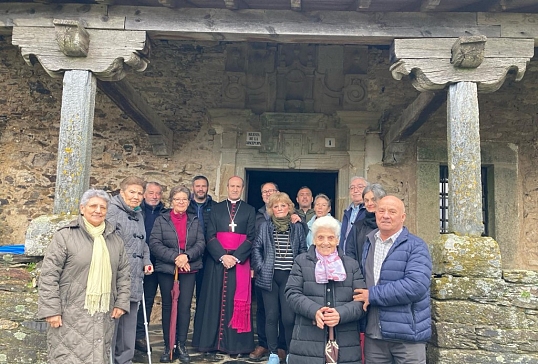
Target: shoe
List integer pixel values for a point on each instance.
(282, 355)
(141, 345)
(181, 353)
(165, 357)
(212, 356)
(258, 353)
(273, 359)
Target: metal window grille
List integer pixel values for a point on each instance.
(443, 199)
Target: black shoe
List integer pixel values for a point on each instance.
(180, 352)
(141, 345)
(212, 356)
(165, 358)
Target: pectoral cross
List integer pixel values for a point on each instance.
(232, 226)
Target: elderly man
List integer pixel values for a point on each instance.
(355, 210)
(222, 321)
(397, 268)
(305, 199)
(151, 207)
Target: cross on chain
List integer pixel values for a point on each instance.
(232, 226)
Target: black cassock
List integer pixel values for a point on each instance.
(214, 308)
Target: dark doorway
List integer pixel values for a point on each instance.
(290, 181)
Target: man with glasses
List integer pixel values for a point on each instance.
(355, 210)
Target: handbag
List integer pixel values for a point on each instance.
(331, 348)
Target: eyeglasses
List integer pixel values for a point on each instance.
(182, 200)
(357, 187)
(268, 192)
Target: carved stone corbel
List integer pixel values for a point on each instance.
(107, 55)
(429, 62)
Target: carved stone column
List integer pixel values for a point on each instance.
(80, 55)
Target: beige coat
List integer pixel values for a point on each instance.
(62, 289)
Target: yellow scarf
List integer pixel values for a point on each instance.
(100, 274)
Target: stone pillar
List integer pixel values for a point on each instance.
(464, 182)
(75, 141)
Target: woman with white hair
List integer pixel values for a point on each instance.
(84, 285)
(320, 292)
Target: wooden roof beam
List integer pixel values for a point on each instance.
(134, 105)
(412, 118)
(429, 5)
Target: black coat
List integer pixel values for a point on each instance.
(163, 243)
(263, 251)
(357, 236)
(306, 297)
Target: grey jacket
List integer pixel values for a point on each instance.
(62, 291)
(130, 227)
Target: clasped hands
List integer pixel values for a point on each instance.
(327, 316)
(182, 262)
(228, 261)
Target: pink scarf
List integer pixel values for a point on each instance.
(329, 267)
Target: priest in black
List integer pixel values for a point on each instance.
(222, 321)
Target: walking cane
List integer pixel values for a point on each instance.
(146, 326)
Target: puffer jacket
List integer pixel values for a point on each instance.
(403, 290)
(163, 243)
(62, 291)
(263, 251)
(306, 297)
(130, 227)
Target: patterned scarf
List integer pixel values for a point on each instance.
(329, 267)
(100, 274)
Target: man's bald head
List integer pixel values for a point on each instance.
(390, 216)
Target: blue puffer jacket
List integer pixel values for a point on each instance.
(263, 251)
(403, 291)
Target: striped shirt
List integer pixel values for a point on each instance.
(283, 251)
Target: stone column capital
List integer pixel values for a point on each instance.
(69, 46)
(436, 62)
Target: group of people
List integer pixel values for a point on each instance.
(365, 279)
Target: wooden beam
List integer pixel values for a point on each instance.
(363, 4)
(429, 5)
(132, 103)
(412, 118)
(296, 5)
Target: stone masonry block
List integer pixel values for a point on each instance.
(462, 288)
(452, 335)
(466, 256)
(446, 356)
(40, 232)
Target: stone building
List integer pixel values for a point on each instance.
(312, 92)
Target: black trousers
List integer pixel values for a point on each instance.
(276, 308)
(260, 322)
(186, 289)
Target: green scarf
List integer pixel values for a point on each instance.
(282, 224)
(100, 274)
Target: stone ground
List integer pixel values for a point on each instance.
(157, 344)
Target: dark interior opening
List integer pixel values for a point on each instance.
(290, 181)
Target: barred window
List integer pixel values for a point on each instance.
(443, 199)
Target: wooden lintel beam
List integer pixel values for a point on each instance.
(296, 5)
(363, 4)
(429, 5)
(413, 117)
(134, 105)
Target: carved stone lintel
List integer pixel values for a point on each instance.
(108, 53)
(429, 62)
(468, 52)
(72, 38)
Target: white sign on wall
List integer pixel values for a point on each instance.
(254, 139)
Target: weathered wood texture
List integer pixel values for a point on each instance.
(429, 61)
(108, 51)
(137, 108)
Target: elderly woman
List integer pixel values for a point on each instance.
(84, 285)
(125, 213)
(177, 242)
(276, 246)
(371, 194)
(320, 292)
(322, 207)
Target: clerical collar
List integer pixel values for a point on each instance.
(234, 201)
